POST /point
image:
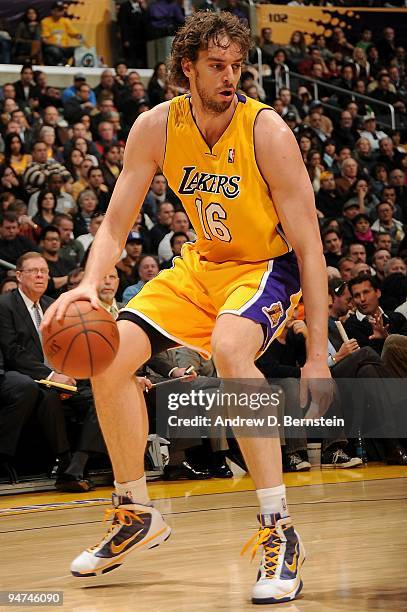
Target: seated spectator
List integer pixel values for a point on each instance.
(103, 112)
(370, 132)
(79, 130)
(386, 223)
(47, 135)
(364, 198)
(82, 182)
(73, 164)
(147, 269)
(379, 260)
(52, 118)
(39, 170)
(73, 90)
(22, 349)
(111, 166)
(107, 290)
(398, 180)
(349, 212)
(179, 223)
(78, 104)
(361, 268)
(56, 32)
(14, 153)
(157, 84)
(12, 245)
(345, 134)
(383, 93)
(27, 38)
(328, 200)
(364, 155)
(382, 240)
(65, 202)
(129, 107)
(370, 326)
(12, 183)
(345, 267)
(75, 277)
(159, 192)
(7, 286)
(26, 90)
(87, 204)
(388, 154)
(357, 253)
(50, 244)
(176, 241)
(363, 232)
(347, 181)
(24, 129)
(96, 184)
(95, 222)
(71, 250)
(107, 85)
(127, 267)
(332, 243)
(46, 205)
(105, 136)
(314, 168)
(395, 265)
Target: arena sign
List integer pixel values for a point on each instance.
(315, 20)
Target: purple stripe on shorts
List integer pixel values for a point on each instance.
(271, 305)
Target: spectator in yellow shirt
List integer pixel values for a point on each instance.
(56, 32)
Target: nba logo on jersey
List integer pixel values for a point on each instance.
(231, 156)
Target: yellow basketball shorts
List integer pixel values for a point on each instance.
(184, 301)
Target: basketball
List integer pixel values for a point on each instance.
(84, 344)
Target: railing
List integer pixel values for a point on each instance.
(6, 264)
(286, 74)
(354, 95)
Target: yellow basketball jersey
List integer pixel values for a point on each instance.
(221, 188)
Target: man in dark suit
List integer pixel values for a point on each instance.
(23, 401)
(21, 312)
(26, 91)
(370, 325)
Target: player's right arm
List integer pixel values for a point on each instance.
(144, 153)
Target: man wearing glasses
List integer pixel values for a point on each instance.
(21, 313)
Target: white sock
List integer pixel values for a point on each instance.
(273, 501)
(136, 490)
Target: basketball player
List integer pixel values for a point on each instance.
(239, 173)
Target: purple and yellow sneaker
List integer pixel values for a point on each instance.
(279, 578)
(134, 526)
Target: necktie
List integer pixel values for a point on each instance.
(37, 317)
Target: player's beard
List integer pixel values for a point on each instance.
(210, 105)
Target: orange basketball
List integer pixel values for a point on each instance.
(84, 344)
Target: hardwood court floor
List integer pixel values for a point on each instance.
(355, 534)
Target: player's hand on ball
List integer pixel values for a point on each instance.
(58, 308)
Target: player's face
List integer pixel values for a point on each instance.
(214, 76)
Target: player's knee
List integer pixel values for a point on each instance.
(227, 353)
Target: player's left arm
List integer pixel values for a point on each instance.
(282, 167)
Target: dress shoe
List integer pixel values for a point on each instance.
(73, 483)
(218, 466)
(397, 456)
(8, 471)
(185, 471)
(221, 471)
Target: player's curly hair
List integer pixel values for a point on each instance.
(199, 30)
